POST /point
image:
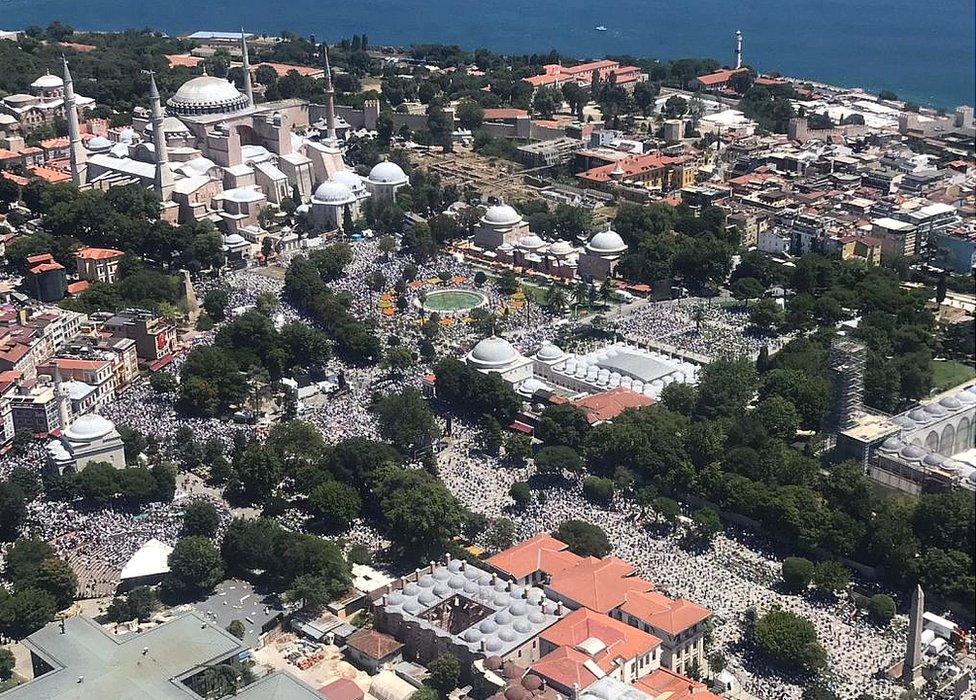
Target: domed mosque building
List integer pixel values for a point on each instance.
(601, 255)
(210, 152)
(504, 236)
(89, 439)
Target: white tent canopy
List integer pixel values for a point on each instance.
(152, 559)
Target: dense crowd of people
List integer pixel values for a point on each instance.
(693, 326)
(733, 575)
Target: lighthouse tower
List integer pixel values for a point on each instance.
(738, 48)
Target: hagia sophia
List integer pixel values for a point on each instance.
(211, 153)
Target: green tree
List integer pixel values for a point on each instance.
(563, 424)
(236, 628)
(163, 383)
(520, 493)
(444, 673)
(797, 574)
(196, 564)
(558, 459)
(215, 303)
(831, 576)
(421, 514)
(790, 640)
(881, 609)
(598, 490)
(406, 421)
(13, 508)
(583, 539)
(335, 503)
(518, 448)
(7, 661)
(200, 518)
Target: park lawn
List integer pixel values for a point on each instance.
(949, 373)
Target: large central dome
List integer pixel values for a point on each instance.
(206, 95)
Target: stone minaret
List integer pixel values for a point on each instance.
(163, 184)
(79, 166)
(738, 48)
(248, 90)
(913, 650)
(329, 97)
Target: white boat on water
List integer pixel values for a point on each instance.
(601, 28)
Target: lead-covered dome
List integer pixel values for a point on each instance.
(550, 352)
(501, 215)
(387, 173)
(530, 242)
(606, 242)
(492, 352)
(48, 82)
(89, 427)
(206, 95)
(333, 193)
(350, 180)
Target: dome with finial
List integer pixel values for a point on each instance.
(206, 94)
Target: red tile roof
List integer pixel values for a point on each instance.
(99, 253)
(565, 668)
(670, 616)
(616, 639)
(342, 689)
(49, 175)
(283, 69)
(540, 553)
(668, 684)
(497, 114)
(607, 405)
(78, 287)
(373, 644)
(598, 584)
(719, 77)
(184, 61)
(631, 166)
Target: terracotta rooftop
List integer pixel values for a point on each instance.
(373, 644)
(184, 61)
(718, 77)
(342, 689)
(540, 553)
(598, 584)
(634, 165)
(504, 113)
(607, 405)
(663, 613)
(600, 637)
(283, 69)
(668, 684)
(565, 668)
(49, 175)
(98, 253)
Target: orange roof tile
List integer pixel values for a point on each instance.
(99, 253)
(49, 175)
(16, 179)
(565, 668)
(668, 684)
(540, 553)
(283, 69)
(670, 616)
(75, 363)
(373, 644)
(78, 287)
(607, 405)
(59, 142)
(184, 61)
(598, 584)
(633, 165)
(504, 113)
(619, 640)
